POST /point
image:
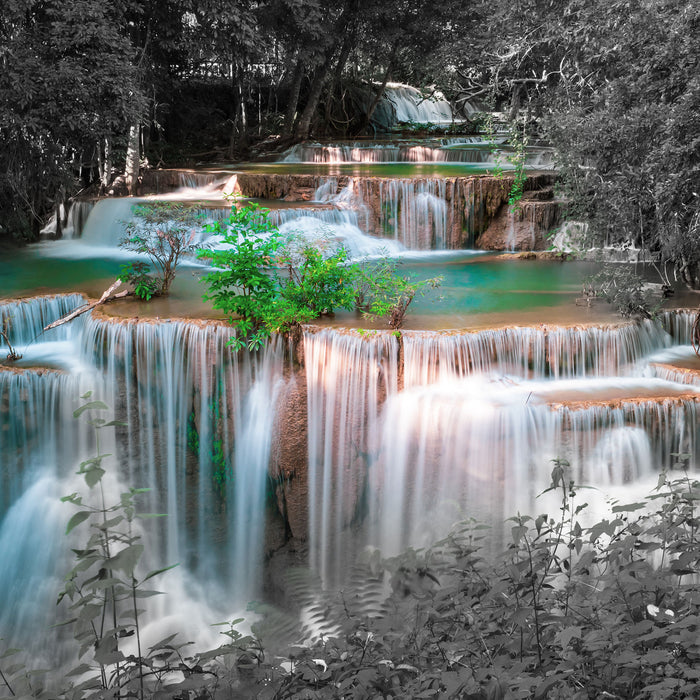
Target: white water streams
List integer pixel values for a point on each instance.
(346, 377)
(410, 105)
(483, 448)
(415, 212)
(397, 438)
(368, 152)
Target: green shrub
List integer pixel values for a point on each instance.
(165, 232)
(268, 283)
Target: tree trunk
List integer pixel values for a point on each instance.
(105, 165)
(291, 111)
(240, 121)
(342, 28)
(338, 72)
(133, 153)
(377, 98)
(303, 127)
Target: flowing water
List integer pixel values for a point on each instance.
(353, 438)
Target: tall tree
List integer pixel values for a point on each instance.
(67, 86)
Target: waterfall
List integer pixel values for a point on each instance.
(347, 376)
(408, 104)
(679, 323)
(200, 423)
(482, 448)
(415, 212)
(368, 152)
(24, 320)
(108, 219)
(555, 351)
(376, 439)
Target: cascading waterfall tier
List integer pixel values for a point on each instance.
(367, 152)
(24, 320)
(544, 351)
(424, 213)
(359, 438)
(472, 149)
(347, 377)
(200, 427)
(483, 448)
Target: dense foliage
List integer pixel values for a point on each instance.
(269, 283)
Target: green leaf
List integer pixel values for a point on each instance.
(92, 405)
(110, 423)
(78, 518)
(126, 560)
(94, 476)
(158, 571)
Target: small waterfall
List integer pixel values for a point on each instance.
(415, 212)
(330, 216)
(345, 233)
(326, 191)
(24, 320)
(347, 377)
(72, 220)
(480, 448)
(106, 225)
(367, 152)
(677, 364)
(557, 352)
(176, 182)
(679, 324)
(408, 104)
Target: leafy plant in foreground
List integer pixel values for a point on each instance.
(103, 590)
(566, 611)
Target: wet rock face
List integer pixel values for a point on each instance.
(290, 187)
(527, 226)
(428, 213)
(289, 463)
(524, 228)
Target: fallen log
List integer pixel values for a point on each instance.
(108, 295)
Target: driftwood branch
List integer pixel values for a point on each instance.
(13, 355)
(108, 295)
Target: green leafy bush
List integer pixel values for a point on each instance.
(138, 275)
(165, 232)
(268, 283)
(381, 292)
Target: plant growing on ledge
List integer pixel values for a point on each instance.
(165, 233)
(518, 140)
(381, 292)
(268, 283)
